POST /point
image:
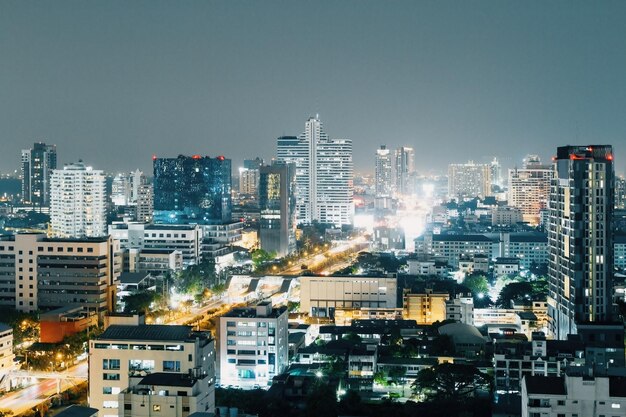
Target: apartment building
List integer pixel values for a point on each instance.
(425, 308)
(168, 369)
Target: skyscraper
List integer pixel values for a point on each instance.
(496, 172)
(324, 174)
(580, 238)
(620, 193)
(405, 166)
(77, 202)
(192, 189)
(37, 165)
(277, 203)
(383, 172)
(469, 180)
(249, 176)
(529, 188)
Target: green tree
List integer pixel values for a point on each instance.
(450, 382)
(477, 284)
(139, 302)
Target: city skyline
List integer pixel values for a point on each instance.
(483, 80)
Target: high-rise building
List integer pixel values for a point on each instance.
(277, 204)
(37, 165)
(405, 166)
(324, 174)
(529, 188)
(249, 176)
(580, 238)
(620, 193)
(77, 202)
(496, 173)
(192, 189)
(125, 188)
(145, 202)
(469, 180)
(254, 345)
(384, 186)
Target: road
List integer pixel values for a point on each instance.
(25, 399)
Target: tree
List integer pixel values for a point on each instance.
(260, 256)
(321, 401)
(477, 284)
(450, 382)
(139, 302)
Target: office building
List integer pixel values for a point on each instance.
(277, 205)
(320, 295)
(145, 202)
(254, 345)
(249, 176)
(580, 238)
(383, 176)
(620, 193)
(37, 166)
(186, 239)
(470, 180)
(496, 173)
(192, 189)
(170, 369)
(40, 273)
(324, 175)
(556, 396)
(404, 169)
(425, 308)
(77, 202)
(529, 188)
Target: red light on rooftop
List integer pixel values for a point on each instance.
(154, 157)
(197, 157)
(554, 158)
(609, 157)
(221, 157)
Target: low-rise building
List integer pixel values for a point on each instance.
(321, 295)
(506, 266)
(55, 325)
(544, 396)
(453, 247)
(461, 309)
(122, 356)
(7, 357)
(157, 261)
(423, 267)
(254, 345)
(345, 316)
(506, 216)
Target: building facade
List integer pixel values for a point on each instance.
(192, 189)
(254, 345)
(37, 166)
(529, 188)
(277, 205)
(384, 172)
(404, 169)
(469, 180)
(425, 308)
(580, 238)
(122, 357)
(78, 205)
(39, 273)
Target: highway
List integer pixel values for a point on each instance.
(25, 399)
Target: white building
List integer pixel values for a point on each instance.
(126, 188)
(573, 396)
(121, 359)
(469, 180)
(77, 202)
(6, 355)
(460, 309)
(405, 167)
(324, 174)
(383, 180)
(319, 296)
(254, 345)
(506, 216)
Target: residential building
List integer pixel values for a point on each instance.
(404, 169)
(461, 309)
(426, 266)
(77, 202)
(531, 248)
(495, 171)
(192, 189)
(145, 203)
(123, 358)
(425, 308)
(345, 315)
(506, 266)
(544, 396)
(469, 180)
(529, 188)
(383, 174)
(619, 245)
(320, 295)
(57, 324)
(277, 205)
(453, 247)
(580, 238)
(7, 358)
(37, 166)
(324, 174)
(40, 273)
(254, 345)
(506, 216)
(156, 261)
(249, 176)
(620, 193)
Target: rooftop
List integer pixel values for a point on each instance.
(168, 379)
(78, 411)
(160, 332)
(251, 313)
(547, 385)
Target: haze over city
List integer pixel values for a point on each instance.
(455, 80)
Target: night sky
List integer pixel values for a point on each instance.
(114, 82)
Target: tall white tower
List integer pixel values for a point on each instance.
(77, 202)
(383, 172)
